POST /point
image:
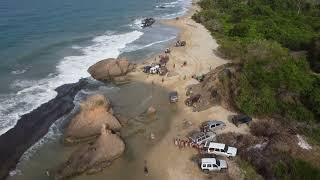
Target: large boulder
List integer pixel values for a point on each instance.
(94, 111)
(92, 158)
(109, 69)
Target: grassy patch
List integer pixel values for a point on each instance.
(247, 170)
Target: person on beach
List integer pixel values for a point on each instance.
(174, 65)
(145, 169)
(47, 172)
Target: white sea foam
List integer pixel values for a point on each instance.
(21, 84)
(137, 24)
(76, 47)
(137, 47)
(18, 71)
(69, 70)
(183, 4)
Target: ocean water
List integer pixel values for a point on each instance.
(45, 44)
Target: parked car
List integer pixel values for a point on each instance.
(241, 119)
(192, 99)
(200, 138)
(222, 150)
(173, 97)
(213, 164)
(212, 125)
(154, 69)
(146, 69)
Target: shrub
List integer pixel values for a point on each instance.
(240, 29)
(296, 169)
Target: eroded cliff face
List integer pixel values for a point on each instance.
(219, 86)
(94, 112)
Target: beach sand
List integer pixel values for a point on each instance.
(165, 159)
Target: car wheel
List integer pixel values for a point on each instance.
(206, 171)
(224, 170)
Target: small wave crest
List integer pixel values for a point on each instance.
(183, 7)
(138, 47)
(18, 71)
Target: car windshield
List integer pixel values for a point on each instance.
(218, 162)
(225, 149)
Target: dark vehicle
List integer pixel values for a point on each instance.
(241, 119)
(199, 78)
(192, 99)
(147, 22)
(180, 43)
(173, 97)
(146, 69)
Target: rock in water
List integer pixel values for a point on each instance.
(94, 112)
(109, 69)
(93, 158)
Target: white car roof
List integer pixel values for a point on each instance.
(216, 145)
(208, 160)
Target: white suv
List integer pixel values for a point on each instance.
(221, 149)
(213, 164)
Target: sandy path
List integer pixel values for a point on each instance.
(165, 159)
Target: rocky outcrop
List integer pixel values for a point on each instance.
(219, 86)
(33, 126)
(93, 158)
(147, 22)
(110, 69)
(94, 112)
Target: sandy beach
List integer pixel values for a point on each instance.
(165, 158)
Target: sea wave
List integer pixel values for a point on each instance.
(138, 47)
(18, 71)
(69, 70)
(183, 8)
(137, 24)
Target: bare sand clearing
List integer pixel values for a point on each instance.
(165, 159)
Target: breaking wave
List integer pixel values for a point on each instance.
(69, 70)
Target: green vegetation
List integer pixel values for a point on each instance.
(261, 34)
(266, 37)
(247, 170)
(296, 169)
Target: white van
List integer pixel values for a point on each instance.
(213, 164)
(221, 149)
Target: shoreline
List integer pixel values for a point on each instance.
(33, 126)
(198, 53)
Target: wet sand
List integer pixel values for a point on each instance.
(130, 101)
